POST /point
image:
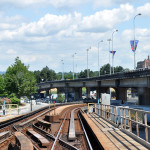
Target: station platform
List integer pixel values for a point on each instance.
(110, 137)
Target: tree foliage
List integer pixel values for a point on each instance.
(105, 69)
(2, 85)
(45, 74)
(60, 98)
(19, 80)
(83, 74)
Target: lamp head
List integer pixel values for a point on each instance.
(116, 30)
(139, 14)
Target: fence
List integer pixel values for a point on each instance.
(125, 117)
(13, 109)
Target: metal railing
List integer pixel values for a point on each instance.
(125, 118)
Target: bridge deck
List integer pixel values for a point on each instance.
(109, 136)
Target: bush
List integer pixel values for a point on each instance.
(15, 100)
(7, 101)
(60, 98)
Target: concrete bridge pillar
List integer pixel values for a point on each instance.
(144, 96)
(98, 93)
(66, 91)
(87, 92)
(77, 93)
(59, 90)
(100, 90)
(121, 94)
(47, 92)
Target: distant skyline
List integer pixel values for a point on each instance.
(43, 32)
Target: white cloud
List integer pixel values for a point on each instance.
(106, 3)
(54, 3)
(144, 10)
(11, 51)
(53, 37)
(106, 20)
(62, 3)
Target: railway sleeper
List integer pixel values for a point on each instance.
(22, 142)
(67, 145)
(42, 141)
(44, 125)
(4, 134)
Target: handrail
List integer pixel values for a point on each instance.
(125, 117)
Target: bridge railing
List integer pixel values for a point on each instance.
(126, 118)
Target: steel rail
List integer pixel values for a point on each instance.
(19, 118)
(69, 146)
(88, 141)
(52, 137)
(59, 132)
(14, 120)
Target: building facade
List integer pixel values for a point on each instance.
(144, 64)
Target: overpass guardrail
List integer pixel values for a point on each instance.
(119, 75)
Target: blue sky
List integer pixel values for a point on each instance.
(43, 32)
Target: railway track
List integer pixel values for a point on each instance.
(45, 131)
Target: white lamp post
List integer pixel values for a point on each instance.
(73, 63)
(62, 69)
(87, 64)
(112, 49)
(98, 57)
(109, 40)
(134, 37)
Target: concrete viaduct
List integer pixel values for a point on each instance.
(138, 79)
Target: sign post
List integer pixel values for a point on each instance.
(98, 105)
(3, 107)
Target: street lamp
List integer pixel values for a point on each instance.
(62, 69)
(134, 37)
(109, 40)
(73, 63)
(98, 56)
(87, 64)
(76, 72)
(112, 50)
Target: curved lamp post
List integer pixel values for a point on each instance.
(62, 69)
(73, 63)
(87, 64)
(98, 56)
(134, 37)
(112, 50)
(109, 40)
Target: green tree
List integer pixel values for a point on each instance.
(37, 75)
(119, 69)
(2, 87)
(60, 98)
(19, 80)
(83, 74)
(105, 69)
(47, 74)
(59, 75)
(68, 75)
